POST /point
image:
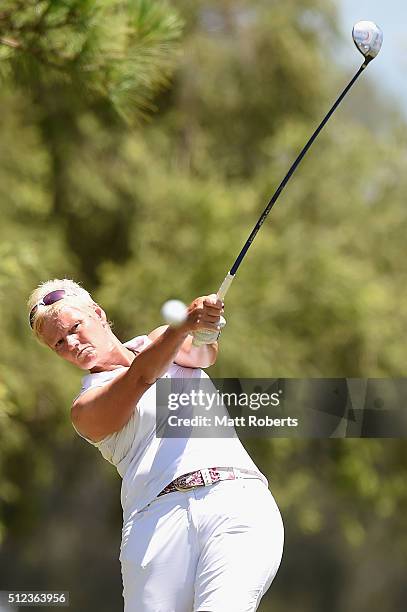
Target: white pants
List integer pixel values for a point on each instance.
(212, 549)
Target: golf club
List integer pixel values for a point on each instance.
(368, 38)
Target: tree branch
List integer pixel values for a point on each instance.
(37, 53)
(10, 43)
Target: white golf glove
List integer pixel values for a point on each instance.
(208, 336)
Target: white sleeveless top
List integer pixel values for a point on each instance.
(147, 463)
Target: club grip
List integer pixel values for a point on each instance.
(224, 288)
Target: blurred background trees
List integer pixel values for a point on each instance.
(139, 142)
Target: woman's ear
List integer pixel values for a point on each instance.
(100, 313)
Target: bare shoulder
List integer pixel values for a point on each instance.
(104, 410)
(79, 418)
(87, 397)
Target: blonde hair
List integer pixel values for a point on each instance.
(75, 296)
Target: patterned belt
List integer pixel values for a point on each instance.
(208, 476)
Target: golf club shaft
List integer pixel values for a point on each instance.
(230, 276)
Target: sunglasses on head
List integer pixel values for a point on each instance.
(47, 300)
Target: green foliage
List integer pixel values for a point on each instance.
(100, 49)
(60, 65)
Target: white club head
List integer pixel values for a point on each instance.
(368, 38)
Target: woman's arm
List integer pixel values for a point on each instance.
(190, 356)
(105, 410)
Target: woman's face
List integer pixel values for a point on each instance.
(81, 337)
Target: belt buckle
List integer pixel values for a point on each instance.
(181, 484)
(179, 488)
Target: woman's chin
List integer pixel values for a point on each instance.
(87, 359)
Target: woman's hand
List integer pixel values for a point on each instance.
(203, 313)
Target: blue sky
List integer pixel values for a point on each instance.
(390, 67)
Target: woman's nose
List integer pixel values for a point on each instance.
(72, 341)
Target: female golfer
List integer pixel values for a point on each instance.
(201, 530)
